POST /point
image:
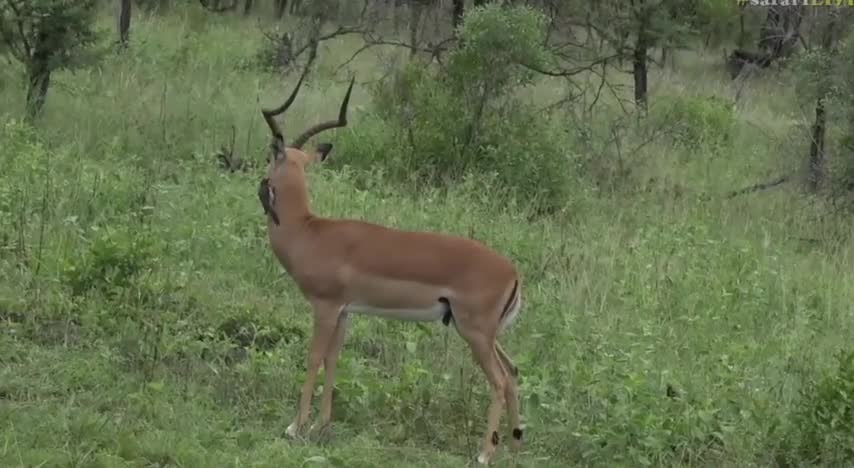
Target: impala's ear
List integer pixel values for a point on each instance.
(323, 150)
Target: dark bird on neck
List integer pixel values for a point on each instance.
(267, 196)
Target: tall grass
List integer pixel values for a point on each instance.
(144, 322)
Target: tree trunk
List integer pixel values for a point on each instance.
(639, 62)
(124, 23)
(395, 14)
(817, 154)
(742, 35)
(281, 7)
(639, 70)
(816, 169)
(39, 82)
(458, 11)
(38, 73)
(769, 31)
(415, 12)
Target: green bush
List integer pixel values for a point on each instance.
(264, 333)
(825, 421)
(696, 121)
(435, 126)
(113, 260)
(848, 103)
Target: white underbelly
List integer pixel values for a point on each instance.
(429, 314)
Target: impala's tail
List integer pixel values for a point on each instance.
(512, 307)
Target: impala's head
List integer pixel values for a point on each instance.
(288, 162)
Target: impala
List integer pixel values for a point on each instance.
(344, 266)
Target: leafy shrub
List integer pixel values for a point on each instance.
(46, 36)
(495, 42)
(436, 126)
(825, 421)
(113, 260)
(697, 120)
(275, 53)
(717, 17)
(848, 104)
(20, 155)
(828, 74)
(247, 331)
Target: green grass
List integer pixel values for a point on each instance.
(127, 257)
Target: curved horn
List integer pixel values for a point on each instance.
(341, 122)
(270, 117)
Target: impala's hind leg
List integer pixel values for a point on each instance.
(485, 355)
(511, 393)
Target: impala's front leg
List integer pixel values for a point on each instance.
(325, 322)
(330, 365)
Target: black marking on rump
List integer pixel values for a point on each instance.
(494, 438)
(517, 433)
(448, 315)
(510, 301)
(266, 196)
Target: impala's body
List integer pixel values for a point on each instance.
(348, 266)
(376, 270)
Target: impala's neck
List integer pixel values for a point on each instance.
(292, 203)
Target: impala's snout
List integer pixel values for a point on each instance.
(267, 196)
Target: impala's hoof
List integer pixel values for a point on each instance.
(322, 431)
(321, 427)
(516, 440)
(292, 430)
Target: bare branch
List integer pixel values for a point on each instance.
(19, 22)
(435, 50)
(340, 31)
(758, 187)
(10, 41)
(573, 71)
(598, 90)
(288, 49)
(358, 51)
